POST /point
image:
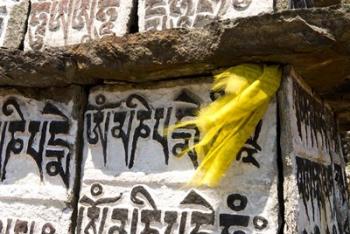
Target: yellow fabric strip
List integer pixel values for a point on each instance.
(228, 122)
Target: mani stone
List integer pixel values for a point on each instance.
(315, 194)
(13, 16)
(135, 182)
(166, 14)
(38, 159)
(68, 22)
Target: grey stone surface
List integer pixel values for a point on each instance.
(315, 194)
(62, 22)
(165, 14)
(13, 18)
(178, 52)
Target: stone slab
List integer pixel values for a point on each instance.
(38, 159)
(68, 22)
(316, 200)
(133, 181)
(165, 14)
(13, 17)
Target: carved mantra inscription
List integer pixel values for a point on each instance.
(44, 139)
(162, 14)
(18, 226)
(317, 163)
(195, 214)
(134, 183)
(315, 123)
(316, 189)
(317, 132)
(134, 119)
(65, 22)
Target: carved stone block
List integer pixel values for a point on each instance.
(165, 14)
(135, 182)
(54, 23)
(13, 16)
(38, 159)
(316, 200)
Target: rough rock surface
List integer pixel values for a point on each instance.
(318, 49)
(62, 23)
(165, 14)
(346, 145)
(13, 18)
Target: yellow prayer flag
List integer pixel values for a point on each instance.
(228, 122)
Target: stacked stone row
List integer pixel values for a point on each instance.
(37, 24)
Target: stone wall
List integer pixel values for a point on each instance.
(105, 161)
(313, 162)
(36, 24)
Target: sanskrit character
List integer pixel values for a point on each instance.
(93, 211)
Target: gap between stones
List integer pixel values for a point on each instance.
(79, 158)
(280, 179)
(21, 46)
(134, 18)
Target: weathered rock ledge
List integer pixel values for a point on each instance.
(315, 41)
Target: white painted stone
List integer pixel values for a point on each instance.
(149, 189)
(165, 14)
(38, 135)
(13, 15)
(316, 200)
(54, 23)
